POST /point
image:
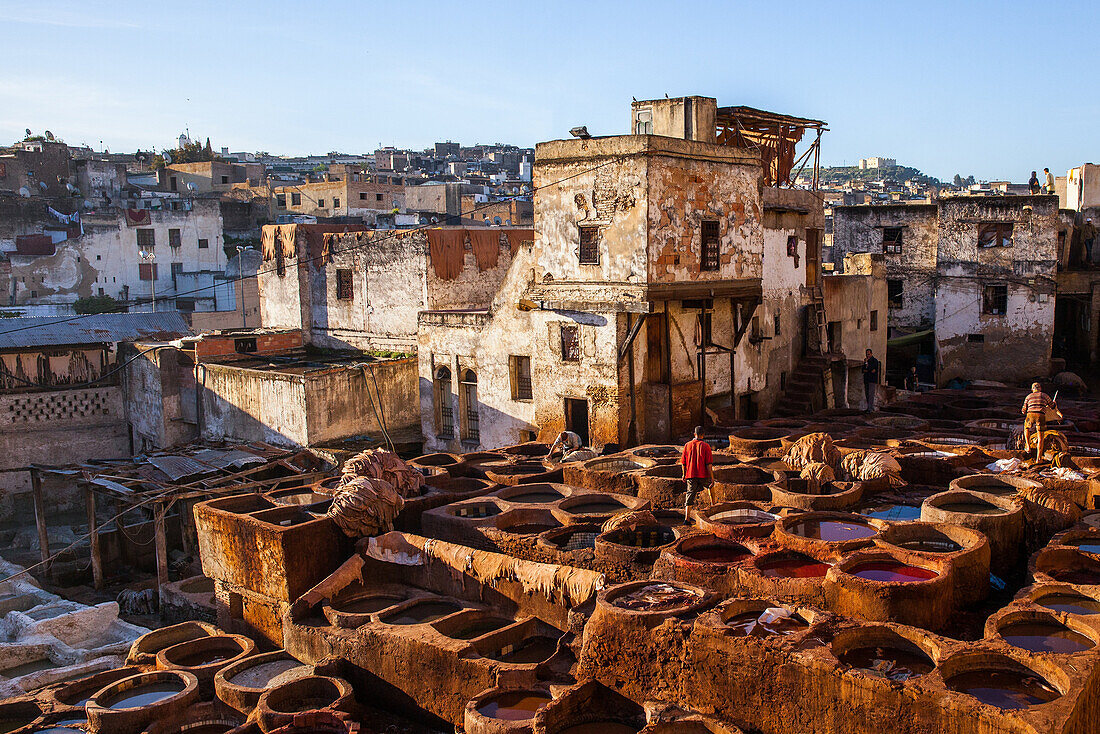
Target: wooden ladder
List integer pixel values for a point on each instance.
(817, 305)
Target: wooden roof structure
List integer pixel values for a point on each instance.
(776, 137)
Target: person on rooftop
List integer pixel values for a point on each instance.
(1049, 188)
(1033, 183)
(1038, 408)
(698, 462)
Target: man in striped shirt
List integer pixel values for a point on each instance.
(1037, 405)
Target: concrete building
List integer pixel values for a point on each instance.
(975, 272)
(356, 195)
(639, 300)
(209, 176)
(877, 162)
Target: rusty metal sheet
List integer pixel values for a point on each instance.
(42, 331)
(113, 486)
(178, 467)
(228, 458)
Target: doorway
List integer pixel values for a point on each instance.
(576, 418)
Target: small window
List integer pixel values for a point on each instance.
(757, 334)
(995, 300)
(874, 321)
(320, 203)
(570, 343)
(471, 417)
(895, 292)
(34, 294)
(100, 291)
(225, 179)
(146, 238)
(147, 271)
(185, 304)
(521, 377)
(244, 345)
(362, 196)
(295, 199)
(777, 322)
(174, 238)
(995, 234)
(590, 245)
(710, 245)
(975, 338)
(172, 183)
(344, 290)
(378, 197)
(335, 203)
(891, 239)
(280, 201)
(444, 411)
(204, 244)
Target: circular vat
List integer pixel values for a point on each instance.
(900, 422)
(208, 717)
(581, 536)
(279, 704)
(636, 546)
(18, 714)
(1069, 566)
(660, 453)
(531, 450)
(354, 605)
(523, 472)
(1001, 519)
(1000, 486)
(138, 700)
(80, 691)
(593, 507)
(474, 509)
(1086, 541)
(240, 684)
(471, 624)
(998, 680)
(665, 598)
(1065, 599)
(812, 495)
(890, 511)
(534, 494)
(756, 441)
(144, 649)
(476, 461)
(498, 710)
(880, 587)
(709, 550)
(732, 520)
(205, 656)
(941, 545)
(526, 521)
(613, 473)
(884, 652)
(461, 486)
(741, 482)
(438, 463)
(790, 565)
(1037, 631)
(762, 618)
(835, 530)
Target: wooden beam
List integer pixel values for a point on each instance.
(93, 538)
(162, 550)
(632, 333)
(748, 306)
(40, 519)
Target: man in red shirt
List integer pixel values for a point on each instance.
(697, 460)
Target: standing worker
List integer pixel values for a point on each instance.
(698, 463)
(1033, 183)
(1038, 408)
(1088, 234)
(871, 370)
(1050, 181)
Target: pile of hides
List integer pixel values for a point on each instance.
(863, 466)
(630, 521)
(813, 448)
(372, 491)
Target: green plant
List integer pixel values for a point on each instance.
(95, 304)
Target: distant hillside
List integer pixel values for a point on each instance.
(900, 174)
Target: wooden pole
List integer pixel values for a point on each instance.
(93, 537)
(162, 550)
(40, 519)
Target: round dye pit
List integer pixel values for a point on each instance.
(145, 695)
(366, 604)
(577, 539)
(513, 706)
(891, 571)
(1070, 603)
(759, 624)
(898, 663)
(530, 528)
(421, 612)
(931, 544)
(1083, 576)
(266, 674)
(795, 566)
(894, 513)
(535, 497)
(973, 506)
(1088, 545)
(831, 531)
(476, 510)
(1040, 636)
(746, 516)
(1007, 689)
(656, 597)
(57, 730)
(716, 552)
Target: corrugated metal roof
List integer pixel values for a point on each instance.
(40, 331)
(178, 467)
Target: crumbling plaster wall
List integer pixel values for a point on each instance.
(253, 405)
(281, 302)
(859, 229)
(348, 401)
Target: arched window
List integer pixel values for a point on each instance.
(444, 413)
(468, 404)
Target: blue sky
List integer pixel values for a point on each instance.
(993, 89)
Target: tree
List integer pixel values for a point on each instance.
(95, 304)
(958, 180)
(970, 181)
(208, 150)
(190, 153)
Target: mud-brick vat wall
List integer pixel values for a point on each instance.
(262, 557)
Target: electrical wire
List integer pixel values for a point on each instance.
(96, 381)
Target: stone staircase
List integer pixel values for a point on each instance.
(805, 391)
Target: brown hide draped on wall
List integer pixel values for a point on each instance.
(517, 237)
(486, 246)
(445, 248)
(288, 237)
(267, 239)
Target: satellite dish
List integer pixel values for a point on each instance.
(190, 186)
(487, 222)
(72, 189)
(49, 136)
(396, 204)
(435, 220)
(88, 204)
(508, 222)
(28, 132)
(167, 158)
(496, 221)
(42, 185)
(24, 192)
